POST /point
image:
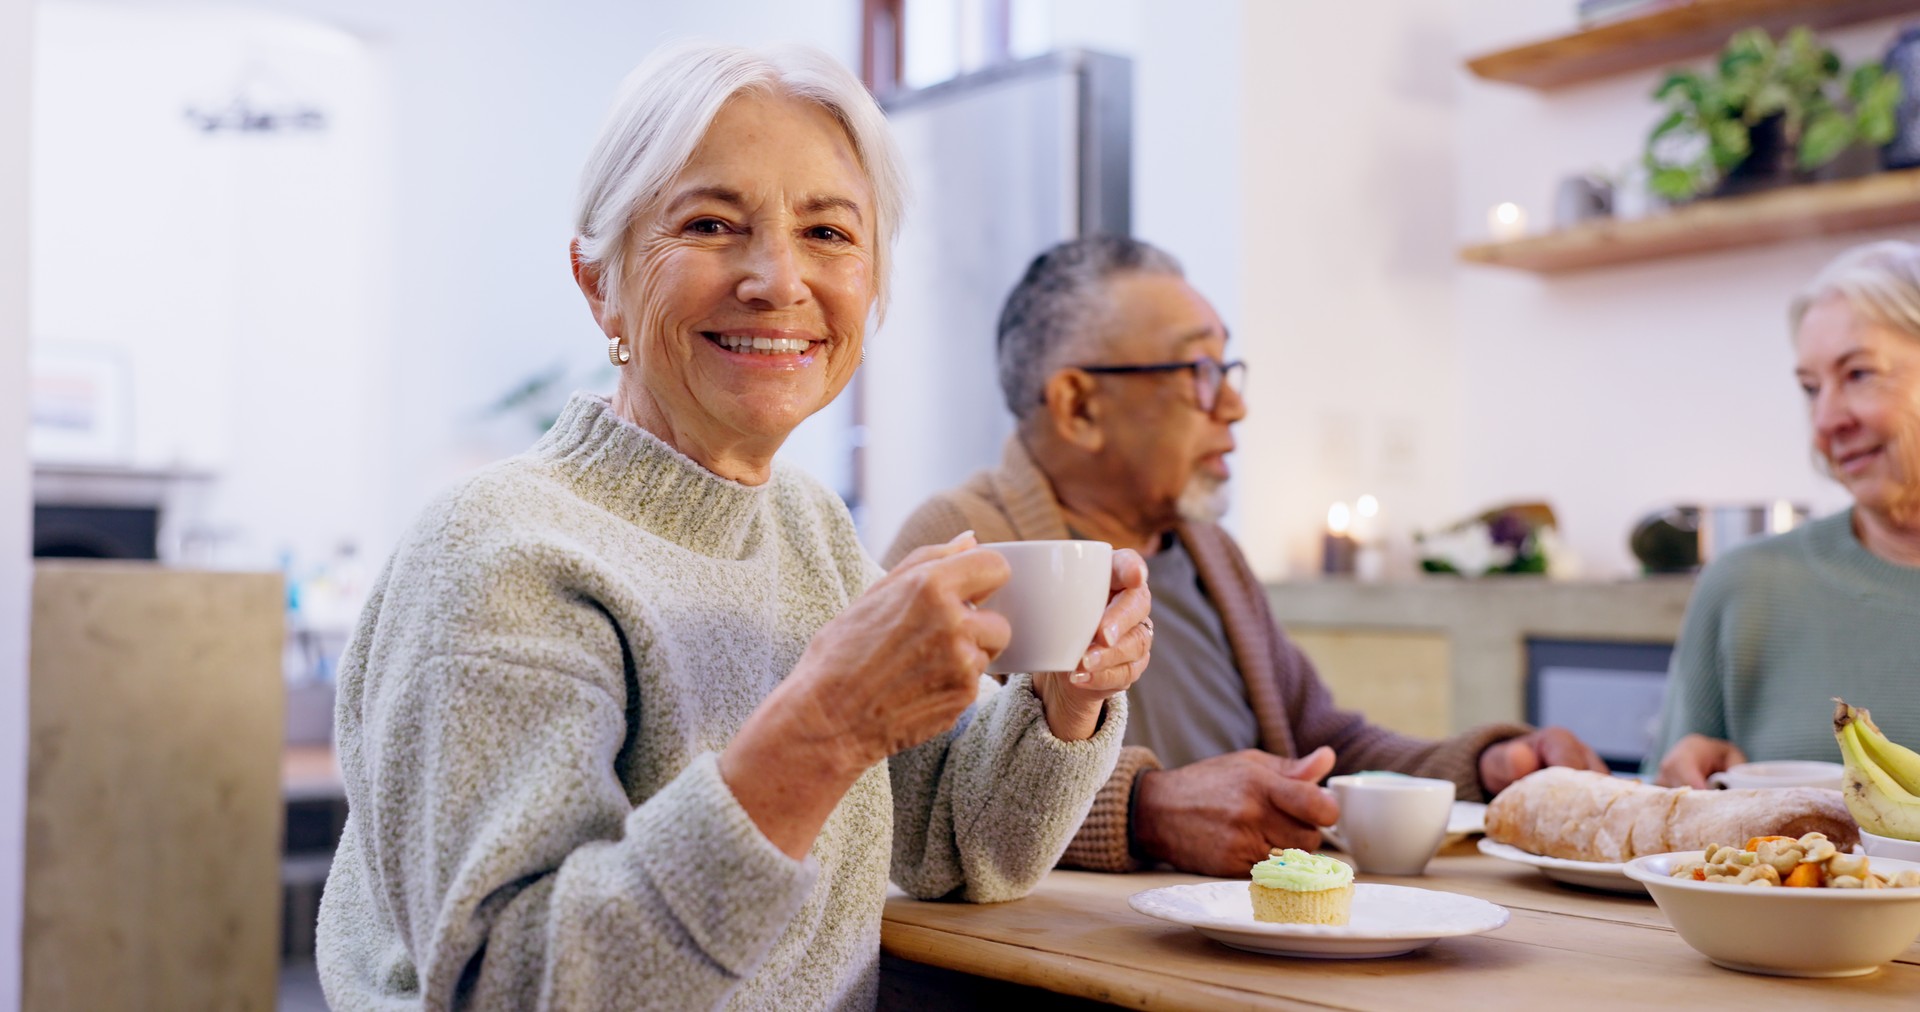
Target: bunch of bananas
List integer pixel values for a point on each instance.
(1882, 779)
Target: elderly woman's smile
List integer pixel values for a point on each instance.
(750, 285)
(759, 343)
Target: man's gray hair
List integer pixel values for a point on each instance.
(1879, 280)
(662, 113)
(1044, 321)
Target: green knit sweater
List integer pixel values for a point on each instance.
(1778, 628)
(529, 715)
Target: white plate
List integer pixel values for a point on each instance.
(1591, 874)
(1466, 819)
(1386, 921)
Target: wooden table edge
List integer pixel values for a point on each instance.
(1081, 977)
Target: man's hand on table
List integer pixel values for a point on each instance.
(1220, 816)
(1501, 763)
(1696, 757)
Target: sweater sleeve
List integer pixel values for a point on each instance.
(482, 711)
(984, 810)
(1360, 745)
(1104, 841)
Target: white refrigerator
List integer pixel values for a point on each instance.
(1003, 164)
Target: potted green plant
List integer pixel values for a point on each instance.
(1767, 113)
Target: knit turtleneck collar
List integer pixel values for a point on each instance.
(1836, 551)
(635, 475)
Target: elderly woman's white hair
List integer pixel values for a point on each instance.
(663, 111)
(1880, 281)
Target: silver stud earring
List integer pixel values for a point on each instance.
(616, 351)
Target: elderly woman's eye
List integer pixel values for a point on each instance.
(828, 233)
(706, 226)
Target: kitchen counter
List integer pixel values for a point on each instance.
(1441, 654)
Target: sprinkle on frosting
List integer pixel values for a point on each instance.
(1301, 872)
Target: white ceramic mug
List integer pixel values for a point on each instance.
(1781, 773)
(1053, 602)
(1392, 825)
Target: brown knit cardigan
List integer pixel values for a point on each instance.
(1293, 708)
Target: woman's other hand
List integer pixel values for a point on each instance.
(1696, 757)
(894, 669)
(1073, 700)
(904, 660)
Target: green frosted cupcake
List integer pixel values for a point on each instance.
(1295, 887)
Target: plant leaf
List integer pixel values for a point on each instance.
(1729, 143)
(1877, 115)
(1684, 81)
(1673, 183)
(1673, 121)
(1826, 136)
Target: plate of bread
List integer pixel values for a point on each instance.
(1581, 828)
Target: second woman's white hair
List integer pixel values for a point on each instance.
(1879, 280)
(664, 109)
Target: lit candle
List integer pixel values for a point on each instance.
(1368, 561)
(1781, 517)
(1366, 519)
(1337, 548)
(1506, 220)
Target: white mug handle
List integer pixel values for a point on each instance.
(1717, 780)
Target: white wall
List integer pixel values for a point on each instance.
(1347, 313)
(16, 36)
(237, 277)
(1617, 391)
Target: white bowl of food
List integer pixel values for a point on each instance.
(1828, 930)
(1887, 846)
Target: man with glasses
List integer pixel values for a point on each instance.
(1117, 372)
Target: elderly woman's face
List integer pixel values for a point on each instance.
(1862, 381)
(752, 281)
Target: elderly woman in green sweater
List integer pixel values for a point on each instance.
(631, 720)
(1777, 628)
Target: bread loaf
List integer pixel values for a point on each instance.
(1583, 816)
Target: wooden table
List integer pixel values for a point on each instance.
(1075, 935)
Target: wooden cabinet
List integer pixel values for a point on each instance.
(153, 795)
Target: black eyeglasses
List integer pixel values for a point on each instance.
(1210, 375)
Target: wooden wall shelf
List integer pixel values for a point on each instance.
(1665, 36)
(1889, 198)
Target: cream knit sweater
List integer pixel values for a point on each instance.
(529, 714)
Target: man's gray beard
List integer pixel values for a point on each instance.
(1203, 501)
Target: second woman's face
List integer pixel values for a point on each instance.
(750, 285)
(1862, 382)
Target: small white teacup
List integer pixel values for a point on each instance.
(1781, 773)
(1392, 824)
(1053, 602)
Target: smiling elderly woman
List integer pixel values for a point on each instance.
(1777, 628)
(631, 720)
